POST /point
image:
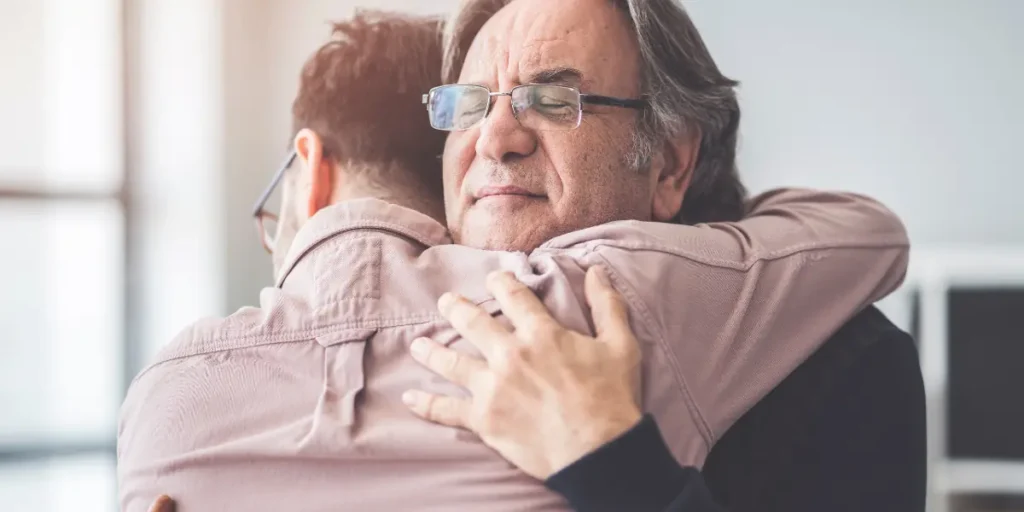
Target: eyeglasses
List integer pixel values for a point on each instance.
(266, 222)
(540, 107)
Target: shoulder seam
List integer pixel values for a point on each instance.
(750, 261)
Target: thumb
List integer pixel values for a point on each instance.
(608, 308)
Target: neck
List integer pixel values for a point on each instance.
(406, 195)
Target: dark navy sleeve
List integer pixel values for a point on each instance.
(636, 473)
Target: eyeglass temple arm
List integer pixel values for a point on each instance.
(262, 201)
(594, 99)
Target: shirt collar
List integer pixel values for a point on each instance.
(356, 214)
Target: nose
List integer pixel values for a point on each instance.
(502, 138)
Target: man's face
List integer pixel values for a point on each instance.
(510, 188)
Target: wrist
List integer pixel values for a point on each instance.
(596, 432)
(635, 471)
(608, 429)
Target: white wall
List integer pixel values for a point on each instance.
(251, 150)
(916, 102)
(176, 152)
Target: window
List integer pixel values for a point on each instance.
(63, 231)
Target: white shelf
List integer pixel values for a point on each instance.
(977, 266)
(971, 476)
(933, 271)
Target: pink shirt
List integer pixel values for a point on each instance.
(295, 405)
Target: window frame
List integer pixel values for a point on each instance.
(15, 452)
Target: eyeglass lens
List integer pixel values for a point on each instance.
(536, 106)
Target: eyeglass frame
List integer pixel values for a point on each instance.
(593, 99)
(259, 211)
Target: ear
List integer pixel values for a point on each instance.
(672, 168)
(310, 150)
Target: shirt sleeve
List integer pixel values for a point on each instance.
(634, 472)
(737, 306)
(731, 308)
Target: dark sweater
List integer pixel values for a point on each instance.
(845, 432)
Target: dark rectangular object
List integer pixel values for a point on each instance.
(986, 373)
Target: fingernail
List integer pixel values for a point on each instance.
(444, 301)
(419, 348)
(602, 275)
(409, 398)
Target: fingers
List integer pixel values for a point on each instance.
(472, 322)
(518, 302)
(611, 316)
(162, 504)
(445, 410)
(454, 366)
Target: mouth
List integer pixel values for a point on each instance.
(504, 191)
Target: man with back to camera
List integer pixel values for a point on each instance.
(313, 171)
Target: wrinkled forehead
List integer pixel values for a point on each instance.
(528, 37)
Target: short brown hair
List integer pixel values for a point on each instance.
(361, 92)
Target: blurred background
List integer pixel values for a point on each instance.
(135, 135)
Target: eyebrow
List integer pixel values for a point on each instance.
(560, 75)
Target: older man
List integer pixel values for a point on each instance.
(846, 430)
(299, 384)
(664, 127)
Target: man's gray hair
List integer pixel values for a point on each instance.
(685, 89)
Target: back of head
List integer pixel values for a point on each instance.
(361, 93)
(685, 89)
